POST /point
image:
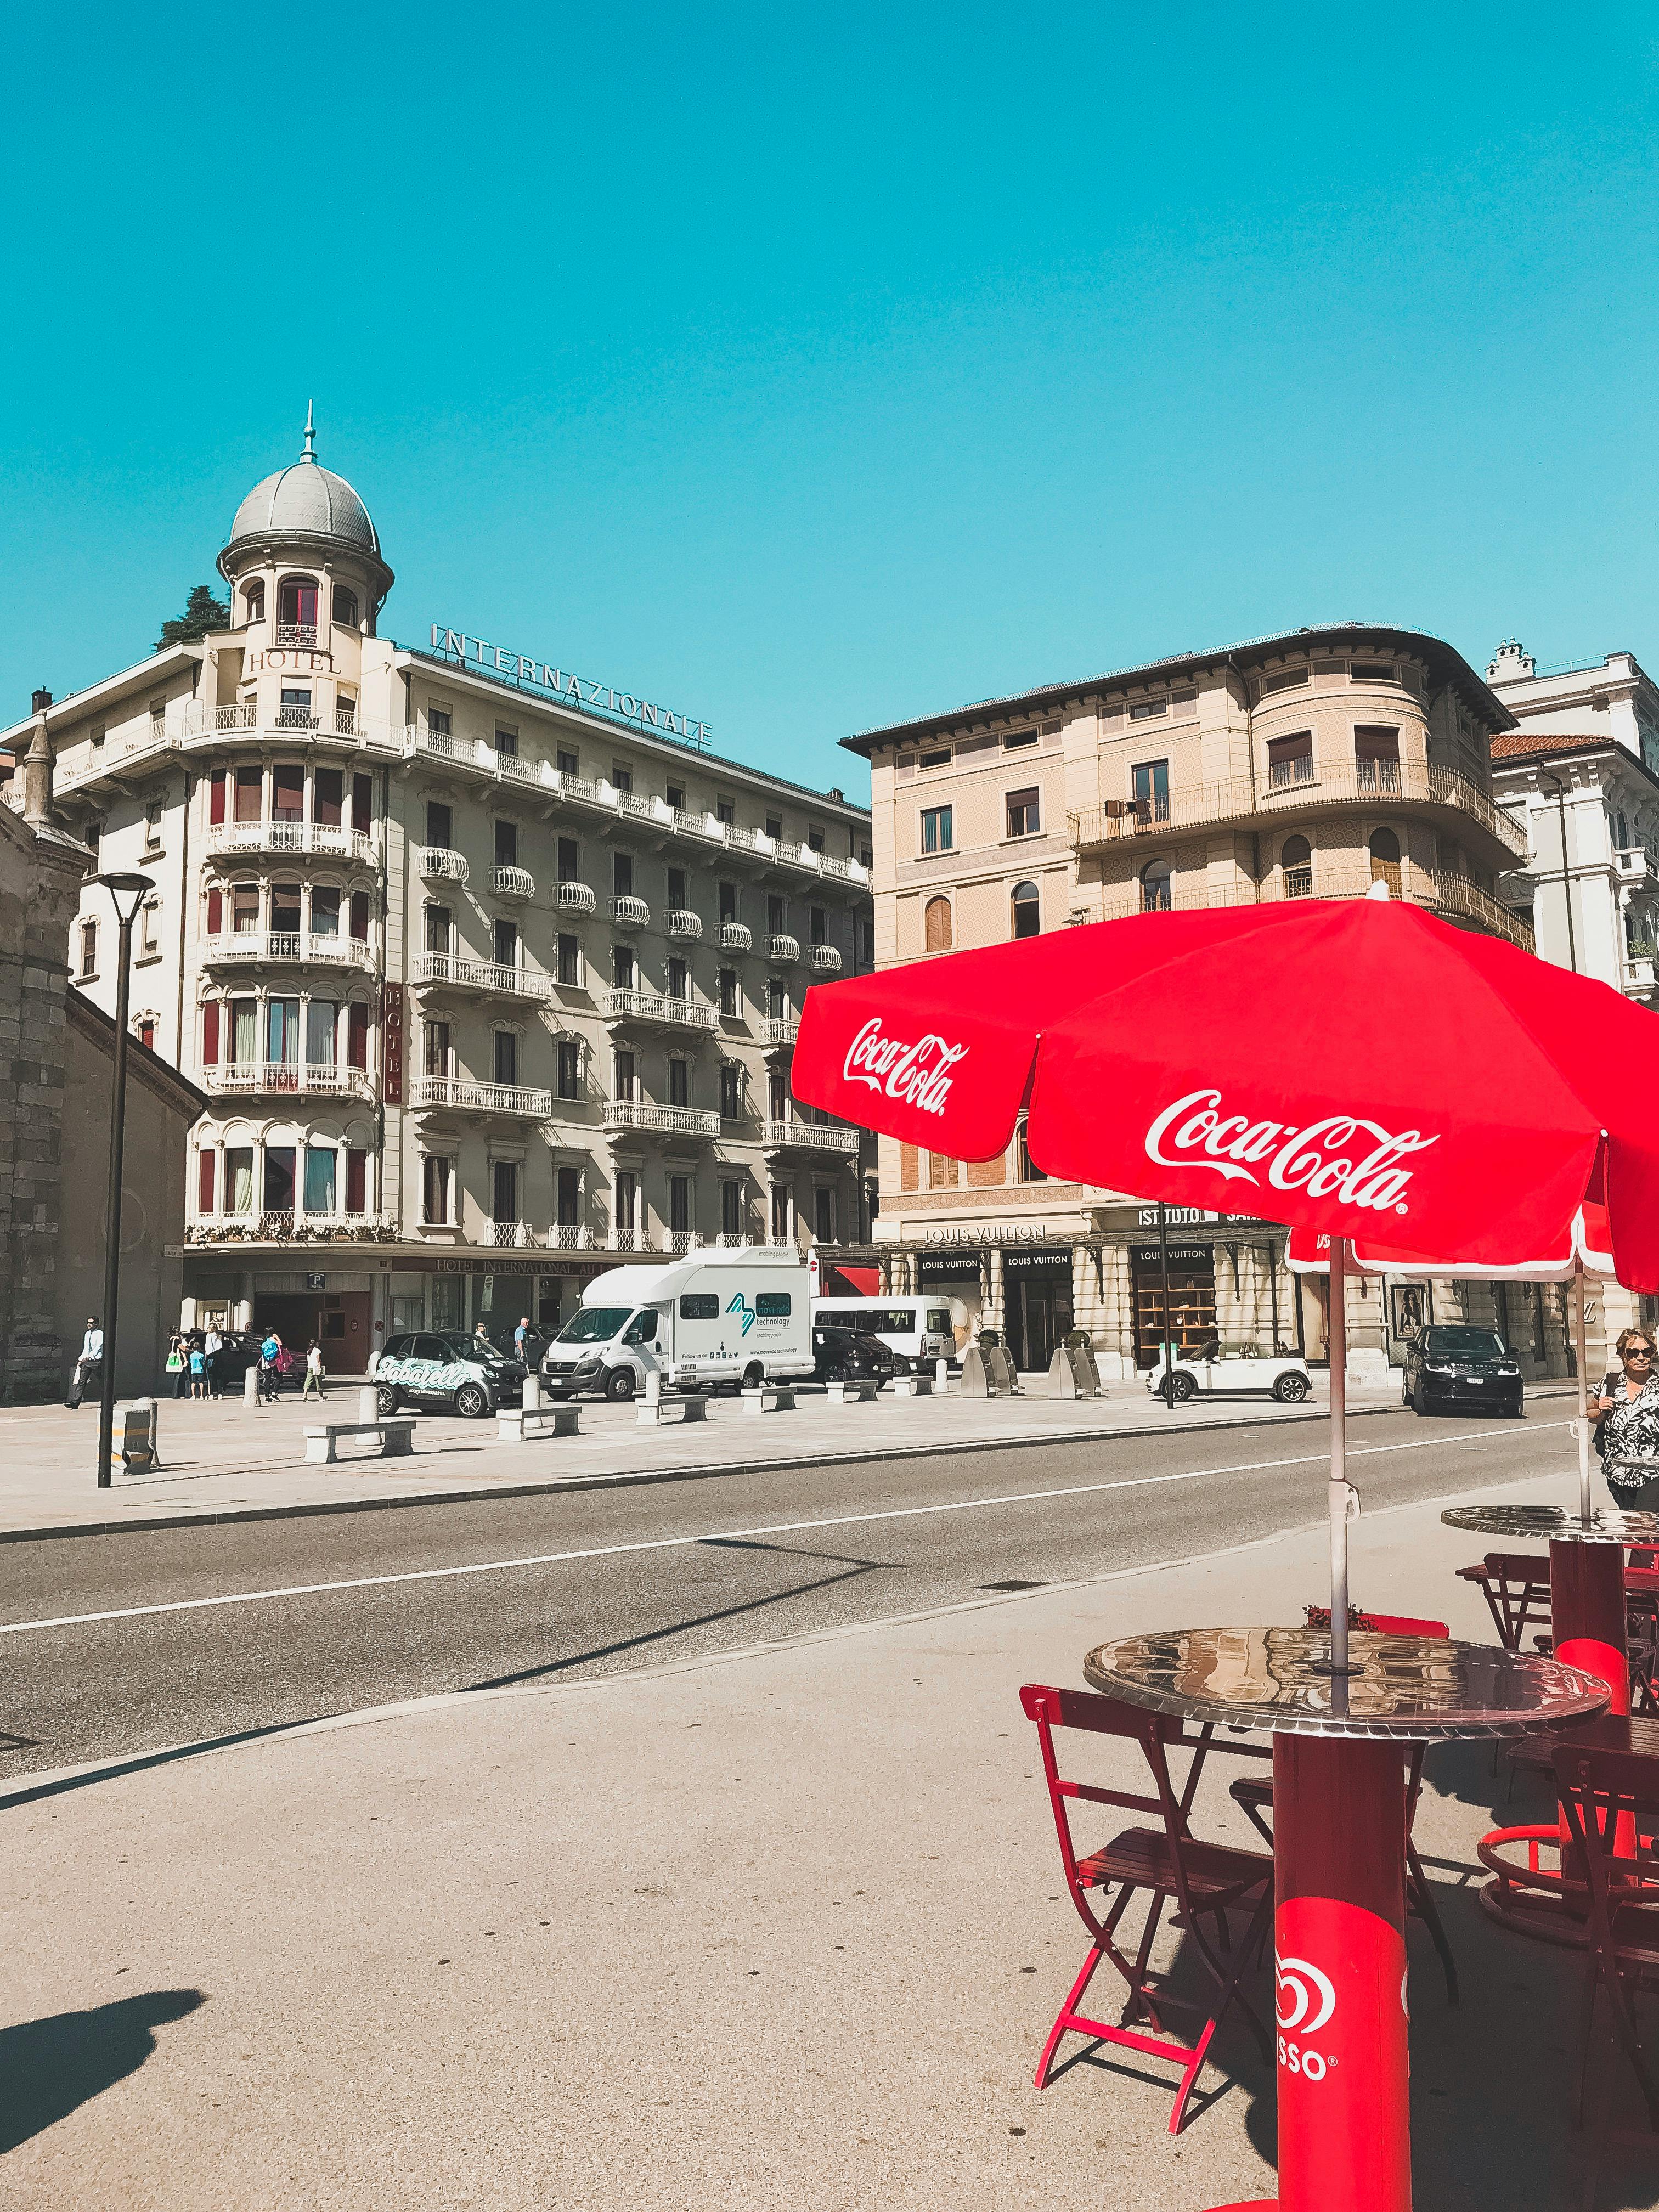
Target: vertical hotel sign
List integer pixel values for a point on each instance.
(391, 1030)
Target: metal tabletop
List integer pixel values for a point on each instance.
(1609, 1524)
(1408, 1688)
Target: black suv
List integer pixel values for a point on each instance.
(1450, 1365)
(848, 1355)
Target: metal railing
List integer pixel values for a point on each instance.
(778, 1029)
(683, 923)
(516, 771)
(514, 883)
(736, 936)
(826, 959)
(452, 1091)
(811, 1137)
(242, 715)
(782, 948)
(482, 975)
(570, 1237)
(509, 1236)
(440, 862)
(676, 1242)
(628, 912)
(296, 633)
(669, 1121)
(1439, 889)
(576, 898)
(649, 1006)
(288, 946)
(444, 743)
(1117, 821)
(251, 1078)
(327, 840)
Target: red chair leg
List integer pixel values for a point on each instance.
(1068, 2013)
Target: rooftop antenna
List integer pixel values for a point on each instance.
(310, 452)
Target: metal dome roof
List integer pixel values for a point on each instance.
(306, 500)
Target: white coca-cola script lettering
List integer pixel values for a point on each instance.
(917, 1074)
(1340, 1155)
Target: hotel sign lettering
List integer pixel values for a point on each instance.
(391, 1030)
(574, 690)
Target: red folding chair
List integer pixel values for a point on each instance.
(1517, 1588)
(1165, 1864)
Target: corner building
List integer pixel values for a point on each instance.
(485, 987)
(1307, 765)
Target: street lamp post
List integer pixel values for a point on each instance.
(1558, 790)
(127, 893)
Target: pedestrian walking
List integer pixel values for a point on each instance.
(89, 1361)
(271, 1350)
(179, 1363)
(521, 1339)
(1626, 1410)
(314, 1370)
(197, 1373)
(212, 1345)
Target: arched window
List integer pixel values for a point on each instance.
(936, 925)
(296, 611)
(345, 607)
(1155, 896)
(1385, 860)
(1295, 859)
(1027, 904)
(253, 601)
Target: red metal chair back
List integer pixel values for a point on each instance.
(1517, 1588)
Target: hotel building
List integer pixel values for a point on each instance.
(488, 972)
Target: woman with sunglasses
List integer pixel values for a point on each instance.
(1626, 1416)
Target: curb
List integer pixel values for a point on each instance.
(474, 1494)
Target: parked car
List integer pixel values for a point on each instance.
(462, 1372)
(1226, 1370)
(917, 1328)
(843, 1354)
(1450, 1364)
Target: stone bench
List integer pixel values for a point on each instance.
(395, 1435)
(528, 1425)
(768, 1399)
(855, 1391)
(913, 1386)
(654, 1411)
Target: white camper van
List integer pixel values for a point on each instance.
(919, 1328)
(717, 1316)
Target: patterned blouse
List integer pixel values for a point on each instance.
(1630, 1432)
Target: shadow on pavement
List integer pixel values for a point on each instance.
(51, 2067)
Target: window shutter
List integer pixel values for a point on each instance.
(216, 796)
(357, 1178)
(215, 914)
(357, 1034)
(907, 1167)
(207, 1161)
(209, 1042)
(360, 917)
(362, 802)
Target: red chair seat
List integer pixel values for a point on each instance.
(1215, 1873)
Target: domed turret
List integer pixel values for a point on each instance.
(305, 508)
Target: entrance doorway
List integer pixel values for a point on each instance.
(1037, 1299)
(337, 1319)
(1192, 1300)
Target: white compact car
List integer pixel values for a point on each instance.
(1234, 1370)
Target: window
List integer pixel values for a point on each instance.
(250, 794)
(567, 1197)
(823, 1216)
(680, 979)
(359, 923)
(285, 909)
(440, 824)
(1015, 739)
(149, 923)
(435, 1190)
(437, 1050)
(570, 860)
(210, 1034)
(679, 1083)
(622, 776)
(505, 944)
(731, 1092)
(936, 925)
(362, 802)
(938, 757)
(325, 910)
(1377, 757)
(506, 741)
(701, 1305)
(206, 1178)
(774, 827)
(244, 1032)
(817, 925)
(1026, 1167)
(438, 721)
(288, 790)
(777, 916)
(1024, 812)
(506, 844)
(677, 796)
(345, 713)
(253, 603)
(731, 1209)
(438, 923)
(506, 1058)
(1289, 760)
(1156, 895)
(1144, 710)
(504, 1190)
(1027, 904)
(679, 1209)
(570, 961)
(281, 1164)
(1295, 859)
(328, 796)
(215, 795)
(938, 834)
(320, 1161)
(357, 1034)
(778, 1089)
(296, 604)
(725, 809)
(281, 1032)
(244, 908)
(568, 764)
(88, 948)
(676, 888)
(153, 810)
(814, 839)
(624, 1076)
(294, 711)
(728, 902)
(356, 1180)
(728, 986)
(1287, 679)
(623, 974)
(621, 874)
(777, 1006)
(1373, 671)
(567, 1064)
(345, 607)
(322, 1025)
(1151, 784)
(779, 1214)
(147, 1033)
(1385, 860)
(626, 1201)
(238, 1179)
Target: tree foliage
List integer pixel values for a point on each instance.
(202, 615)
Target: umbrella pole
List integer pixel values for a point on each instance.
(1583, 1423)
(1338, 1334)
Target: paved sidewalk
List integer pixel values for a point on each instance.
(227, 1461)
(780, 1929)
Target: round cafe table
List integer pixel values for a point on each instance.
(1587, 1631)
(1339, 1854)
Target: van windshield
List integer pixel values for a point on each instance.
(593, 1324)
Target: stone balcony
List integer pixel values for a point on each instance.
(290, 840)
(257, 1078)
(286, 948)
(811, 1137)
(736, 936)
(649, 1006)
(455, 971)
(826, 960)
(683, 923)
(454, 1094)
(783, 949)
(576, 898)
(439, 864)
(513, 882)
(622, 1114)
(628, 912)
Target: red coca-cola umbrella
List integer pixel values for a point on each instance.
(1355, 1067)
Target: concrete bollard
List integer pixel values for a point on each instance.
(999, 1367)
(941, 1376)
(1062, 1374)
(532, 1392)
(653, 1387)
(1089, 1375)
(368, 1403)
(975, 1376)
(250, 1385)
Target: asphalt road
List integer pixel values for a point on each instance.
(221, 1630)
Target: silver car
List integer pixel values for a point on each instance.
(463, 1372)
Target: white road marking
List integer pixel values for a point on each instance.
(727, 1535)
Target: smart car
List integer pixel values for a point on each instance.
(462, 1372)
(1451, 1364)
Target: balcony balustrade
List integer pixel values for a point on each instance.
(509, 1236)
(778, 1029)
(683, 923)
(287, 1227)
(456, 970)
(571, 1236)
(630, 913)
(649, 1006)
(811, 1137)
(785, 951)
(736, 936)
(1438, 888)
(515, 770)
(453, 1094)
(439, 864)
(676, 1242)
(576, 898)
(826, 959)
(443, 743)
(286, 947)
(296, 633)
(667, 1121)
(296, 718)
(514, 883)
(329, 840)
(253, 1078)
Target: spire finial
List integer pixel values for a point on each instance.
(310, 452)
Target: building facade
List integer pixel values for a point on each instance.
(1311, 764)
(488, 973)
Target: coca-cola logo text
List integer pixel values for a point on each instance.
(917, 1074)
(1341, 1156)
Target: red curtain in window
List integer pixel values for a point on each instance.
(210, 1037)
(356, 1180)
(215, 913)
(205, 1179)
(357, 1035)
(216, 796)
(362, 802)
(360, 917)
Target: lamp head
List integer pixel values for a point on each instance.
(127, 891)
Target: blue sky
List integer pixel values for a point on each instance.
(809, 369)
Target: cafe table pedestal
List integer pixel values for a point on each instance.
(1338, 1746)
